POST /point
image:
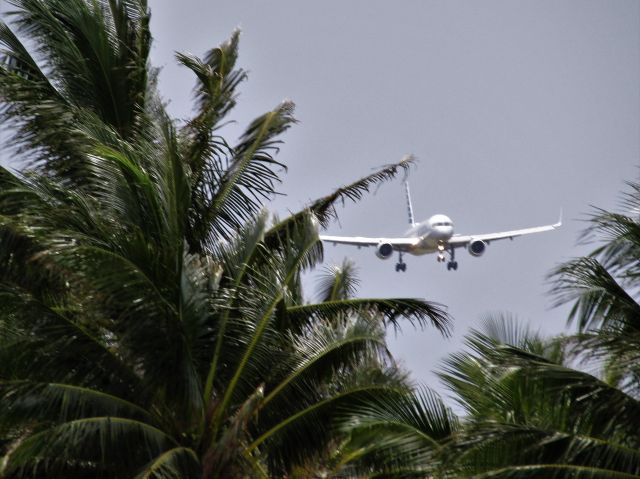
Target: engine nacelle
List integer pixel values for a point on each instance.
(477, 247)
(384, 250)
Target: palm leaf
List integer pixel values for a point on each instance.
(262, 316)
(324, 208)
(338, 282)
(105, 74)
(398, 436)
(42, 350)
(112, 444)
(250, 178)
(24, 401)
(176, 463)
(389, 311)
(321, 352)
(600, 300)
(304, 430)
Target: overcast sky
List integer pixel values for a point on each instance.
(515, 109)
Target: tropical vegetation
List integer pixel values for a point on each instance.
(569, 406)
(152, 318)
(153, 322)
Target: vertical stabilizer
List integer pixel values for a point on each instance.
(409, 205)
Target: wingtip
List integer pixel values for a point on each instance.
(559, 223)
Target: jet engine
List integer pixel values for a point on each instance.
(477, 247)
(384, 250)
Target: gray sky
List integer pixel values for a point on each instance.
(514, 109)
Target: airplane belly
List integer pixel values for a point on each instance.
(426, 246)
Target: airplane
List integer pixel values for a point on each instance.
(430, 236)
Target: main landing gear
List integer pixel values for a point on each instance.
(401, 265)
(452, 264)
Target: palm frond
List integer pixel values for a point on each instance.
(307, 428)
(614, 351)
(286, 234)
(388, 311)
(215, 95)
(33, 106)
(206, 153)
(93, 70)
(270, 297)
(324, 208)
(176, 463)
(321, 352)
(24, 401)
(398, 436)
(111, 444)
(250, 177)
(505, 328)
(42, 349)
(529, 413)
(599, 299)
(519, 451)
(235, 260)
(338, 282)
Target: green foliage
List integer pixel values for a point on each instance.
(152, 322)
(531, 412)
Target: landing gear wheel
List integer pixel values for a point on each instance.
(452, 264)
(400, 265)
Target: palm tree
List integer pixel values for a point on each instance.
(86, 59)
(400, 434)
(397, 436)
(567, 406)
(152, 320)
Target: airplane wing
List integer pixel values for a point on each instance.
(463, 240)
(399, 244)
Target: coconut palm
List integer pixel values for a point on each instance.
(400, 434)
(152, 320)
(564, 407)
(81, 58)
(396, 436)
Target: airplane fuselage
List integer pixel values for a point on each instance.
(434, 233)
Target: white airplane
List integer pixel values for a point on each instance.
(431, 236)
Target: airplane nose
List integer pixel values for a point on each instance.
(443, 232)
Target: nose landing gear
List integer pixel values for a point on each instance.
(452, 264)
(401, 265)
(440, 252)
